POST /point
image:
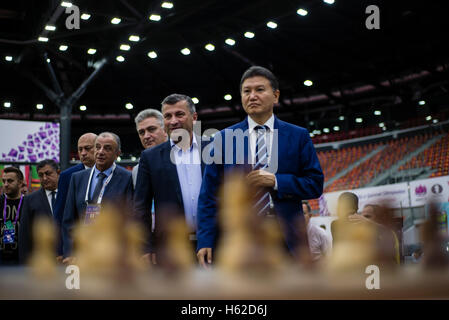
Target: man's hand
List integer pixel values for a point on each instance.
(149, 258)
(69, 260)
(203, 255)
(261, 178)
(59, 259)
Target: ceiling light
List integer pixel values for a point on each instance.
(185, 51)
(66, 4)
(272, 25)
(91, 51)
(7, 104)
(50, 28)
(329, 1)
(155, 17)
(382, 124)
(311, 123)
(249, 34)
(133, 158)
(43, 39)
(230, 41)
(48, 60)
(311, 135)
(422, 102)
(116, 20)
(129, 106)
(326, 130)
(195, 100)
(63, 47)
(341, 118)
(152, 54)
(377, 113)
(120, 59)
(83, 108)
(125, 47)
(227, 97)
(435, 120)
(318, 132)
(167, 5)
(134, 38)
(85, 16)
(358, 120)
(308, 83)
(302, 12)
(8, 58)
(210, 47)
(428, 118)
(39, 106)
(336, 128)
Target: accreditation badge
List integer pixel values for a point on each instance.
(9, 233)
(92, 211)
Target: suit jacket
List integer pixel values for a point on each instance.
(157, 178)
(299, 177)
(118, 192)
(63, 189)
(34, 205)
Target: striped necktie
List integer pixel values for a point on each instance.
(262, 196)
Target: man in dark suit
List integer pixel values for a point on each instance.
(86, 150)
(89, 189)
(171, 172)
(282, 165)
(40, 203)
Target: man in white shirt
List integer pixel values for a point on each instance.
(319, 243)
(39, 203)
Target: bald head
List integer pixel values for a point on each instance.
(86, 148)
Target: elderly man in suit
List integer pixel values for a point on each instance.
(105, 182)
(173, 185)
(86, 153)
(39, 203)
(282, 165)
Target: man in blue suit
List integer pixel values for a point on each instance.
(278, 158)
(89, 189)
(86, 150)
(171, 172)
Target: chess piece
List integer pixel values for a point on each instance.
(42, 261)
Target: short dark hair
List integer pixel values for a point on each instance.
(351, 198)
(306, 203)
(17, 171)
(49, 162)
(176, 97)
(255, 71)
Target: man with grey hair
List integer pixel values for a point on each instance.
(150, 128)
(171, 173)
(90, 189)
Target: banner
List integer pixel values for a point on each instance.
(28, 141)
(433, 189)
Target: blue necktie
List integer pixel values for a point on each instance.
(262, 196)
(98, 187)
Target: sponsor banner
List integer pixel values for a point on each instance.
(433, 189)
(393, 196)
(31, 141)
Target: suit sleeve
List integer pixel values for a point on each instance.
(308, 184)
(207, 203)
(69, 219)
(25, 230)
(143, 196)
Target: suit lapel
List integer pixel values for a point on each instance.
(171, 170)
(281, 147)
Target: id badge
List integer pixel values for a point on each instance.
(92, 211)
(9, 235)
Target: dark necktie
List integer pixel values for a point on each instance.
(53, 201)
(262, 196)
(98, 187)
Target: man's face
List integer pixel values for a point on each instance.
(150, 132)
(178, 116)
(306, 213)
(106, 152)
(258, 97)
(368, 212)
(11, 184)
(48, 177)
(86, 150)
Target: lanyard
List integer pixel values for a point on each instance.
(17, 212)
(100, 196)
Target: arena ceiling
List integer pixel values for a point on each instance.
(355, 71)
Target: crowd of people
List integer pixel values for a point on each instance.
(277, 160)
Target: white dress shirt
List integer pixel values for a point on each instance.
(319, 243)
(48, 192)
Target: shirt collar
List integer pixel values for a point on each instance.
(48, 192)
(107, 172)
(194, 143)
(252, 124)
